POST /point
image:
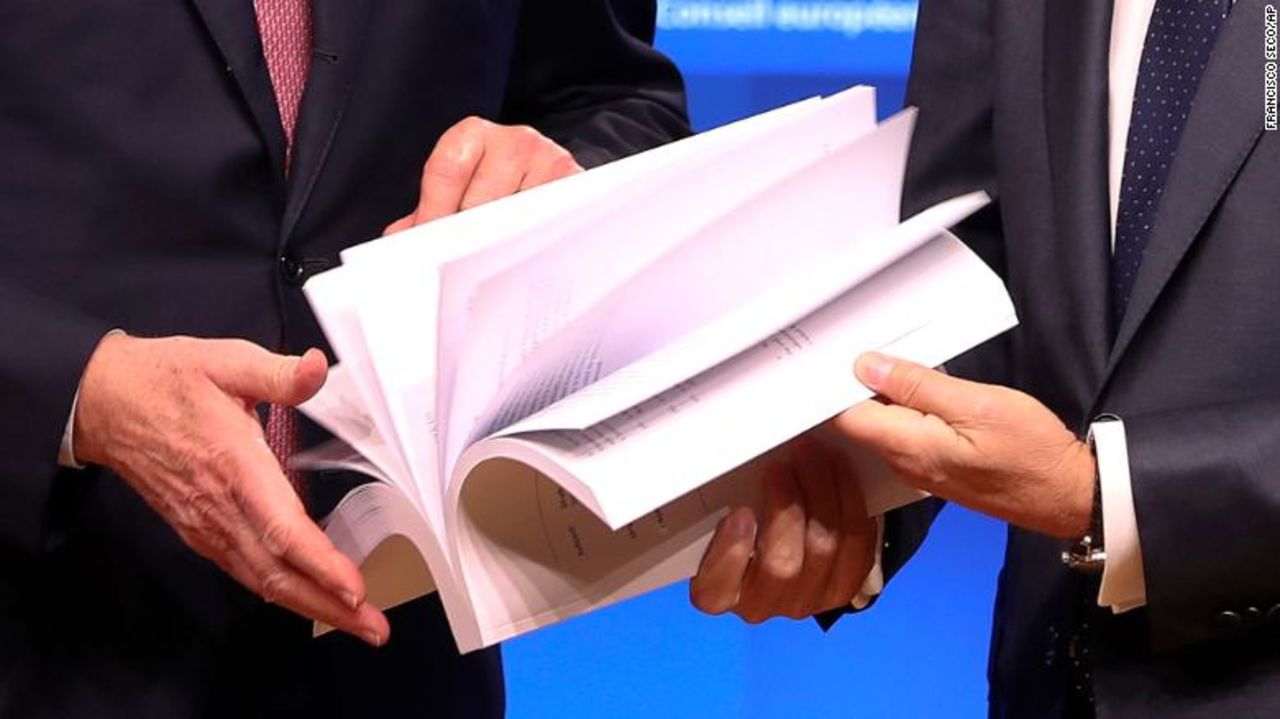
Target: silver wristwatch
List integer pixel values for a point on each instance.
(1088, 554)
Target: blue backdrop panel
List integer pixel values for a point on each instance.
(921, 651)
(835, 37)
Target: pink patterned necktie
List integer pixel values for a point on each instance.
(285, 27)
(282, 438)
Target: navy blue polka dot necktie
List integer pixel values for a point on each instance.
(1179, 42)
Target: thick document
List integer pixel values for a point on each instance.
(560, 393)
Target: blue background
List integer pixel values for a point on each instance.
(921, 651)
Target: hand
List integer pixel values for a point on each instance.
(477, 161)
(809, 552)
(989, 448)
(175, 418)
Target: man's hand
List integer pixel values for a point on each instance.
(175, 418)
(810, 550)
(992, 449)
(477, 161)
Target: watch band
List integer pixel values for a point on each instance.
(1088, 554)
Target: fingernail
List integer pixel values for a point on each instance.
(353, 602)
(373, 638)
(873, 369)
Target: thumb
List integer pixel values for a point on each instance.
(250, 372)
(399, 225)
(911, 385)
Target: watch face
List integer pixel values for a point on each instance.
(1084, 557)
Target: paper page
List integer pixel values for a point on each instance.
(380, 310)
(534, 554)
(382, 533)
(353, 389)
(399, 319)
(339, 408)
(795, 295)
(337, 455)
(492, 237)
(556, 487)
(931, 306)
(380, 321)
(383, 319)
(511, 315)
(379, 529)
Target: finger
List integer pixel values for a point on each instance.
(779, 554)
(280, 526)
(449, 169)
(816, 480)
(244, 369)
(225, 524)
(280, 584)
(309, 376)
(718, 583)
(271, 511)
(918, 387)
(399, 225)
(551, 163)
(901, 435)
(500, 171)
(857, 542)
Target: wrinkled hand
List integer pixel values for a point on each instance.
(809, 551)
(175, 418)
(989, 448)
(477, 161)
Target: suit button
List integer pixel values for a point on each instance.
(1253, 617)
(1227, 623)
(293, 271)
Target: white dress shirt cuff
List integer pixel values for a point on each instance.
(67, 452)
(1124, 586)
(873, 585)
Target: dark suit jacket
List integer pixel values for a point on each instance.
(1013, 99)
(142, 187)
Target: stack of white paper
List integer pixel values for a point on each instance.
(562, 391)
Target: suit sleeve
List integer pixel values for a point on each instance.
(905, 530)
(1217, 553)
(42, 357)
(590, 79)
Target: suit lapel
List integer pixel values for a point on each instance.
(1224, 125)
(234, 30)
(1077, 51)
(339, 32)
